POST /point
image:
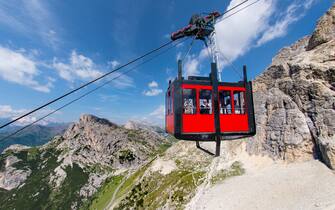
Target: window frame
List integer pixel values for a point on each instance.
(195, 101)
(211, 100)
(243, 109)
(221, 104)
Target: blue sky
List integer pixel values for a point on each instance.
(49, 47)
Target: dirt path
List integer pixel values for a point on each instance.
(308, 185)
(111, 203)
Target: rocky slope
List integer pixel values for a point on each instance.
(295, 99)
(69, 170)
(136, 125)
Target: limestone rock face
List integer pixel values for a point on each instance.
(97, 141)
(11, 177)
(325, 30)
(295, 100)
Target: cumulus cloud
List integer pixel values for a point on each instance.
(153, 89)
(191, 66)
(252, 27)
(18, 68)
(236, 34)
(153, 92)
(79, 67)
(83, 68)
(153, 84)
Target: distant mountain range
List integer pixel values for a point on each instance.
(33, 136)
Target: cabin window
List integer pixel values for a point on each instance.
(239, 102)
(189, 101)
(205, 99)
(225, 102)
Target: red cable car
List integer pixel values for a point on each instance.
(191, 108)
(203, 108)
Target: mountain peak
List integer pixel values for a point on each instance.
(325, 29)
(88, 118)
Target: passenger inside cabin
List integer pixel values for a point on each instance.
(237, 107)
(205, 107)
(227, 107)
(188, 106)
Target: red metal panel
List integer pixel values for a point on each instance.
(196, 86)
(234, 122)
(231, 88)
(198, 123)
(169, 118)
(170, 123)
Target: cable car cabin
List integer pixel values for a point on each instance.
(191, 111)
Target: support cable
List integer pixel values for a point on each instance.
(119, 68)
(237, 11)
(86, 84)
(87, 93)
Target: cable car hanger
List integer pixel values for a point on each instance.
(206, 108)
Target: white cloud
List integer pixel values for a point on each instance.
(159, 112)
(20, 69)
(84, 68)
(251, 27)
(292, 14)
(114, 64)
(153, 84)
(191, 66)
(78, 68)
(153, 89)
(32, 19)
(152, 92)
(236, 34)
(6, 111)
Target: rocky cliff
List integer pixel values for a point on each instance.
(295, 99)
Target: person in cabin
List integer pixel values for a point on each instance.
(204, 107)
(227, 107)
(237, 107)
(188, 106)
